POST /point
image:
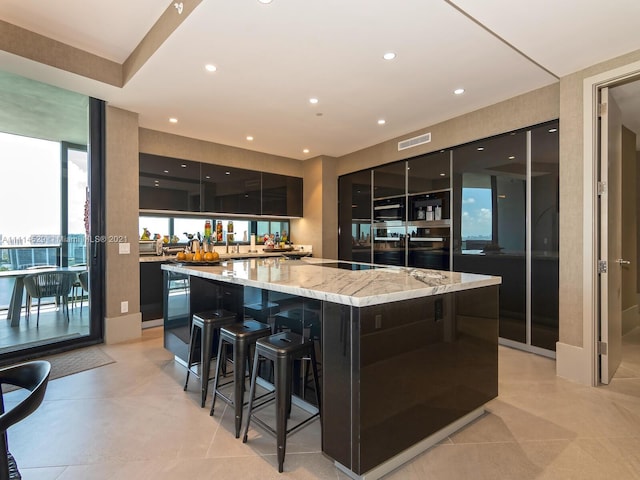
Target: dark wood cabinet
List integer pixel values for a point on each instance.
(169, 183)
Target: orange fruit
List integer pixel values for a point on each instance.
(197, 257)
(189, 257)
(208, 256)
(181, 256)
(216, 256)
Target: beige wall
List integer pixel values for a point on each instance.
(572, 320)
(522, 111)
(629, 211)
(319, 225)
(176, 146)
(122, 273)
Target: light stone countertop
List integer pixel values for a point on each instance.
(308, 277)
(230, 256)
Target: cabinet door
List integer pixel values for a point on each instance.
(230, 190)
(428, 173)
(169, 183)
(354, 216)
(489, 221)
(389, 180)
(281, 195)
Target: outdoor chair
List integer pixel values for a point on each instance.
(49, 284)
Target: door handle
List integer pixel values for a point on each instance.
(623, 262)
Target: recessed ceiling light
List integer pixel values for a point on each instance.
(389, 56)
(265, 1)
(208, 176)
(184, 165)
(480, 149)
(173, 120)
(250, 138)
(166, 171)
(552, 130)
(459, 91)
(511, 157)
(210, 68)
(157, 185)
(313, 101)
(227, 173)
(443, 174)
(306, 150)
(382, 121)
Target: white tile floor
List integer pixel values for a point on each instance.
(131, 420)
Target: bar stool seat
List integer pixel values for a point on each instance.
(206, 323)
(282, 348)
(241, 336)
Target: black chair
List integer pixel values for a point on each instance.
(241, 337)
(49, 284)
(282, 349)
(33, 376)
(206, 324)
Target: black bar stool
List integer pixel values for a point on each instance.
(207, 323)
(305, 322)
(282, 348)
(241, 336)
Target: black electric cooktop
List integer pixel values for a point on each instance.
(350, 266)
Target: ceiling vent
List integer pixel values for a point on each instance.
(415, 141)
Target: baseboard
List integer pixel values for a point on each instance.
(630, 319)
(123, 328)
(573, 363)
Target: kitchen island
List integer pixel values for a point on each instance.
(407, 355)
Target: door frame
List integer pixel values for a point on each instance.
(590, 300)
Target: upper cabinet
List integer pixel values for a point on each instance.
(169, 183)
(230, 190)
(181, 185)
(429, 173)
(389, 180)
(281, 195)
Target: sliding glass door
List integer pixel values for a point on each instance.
(46, 262)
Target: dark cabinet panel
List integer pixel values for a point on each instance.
(545, 227)
(281, 195)
(389, 180)
(182, 185)
(489, 221)
(429, 172)
(354, 216)
(169, 183)
(230, 190)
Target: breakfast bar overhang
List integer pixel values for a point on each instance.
(408, 355)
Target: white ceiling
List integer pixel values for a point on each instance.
(272, 58)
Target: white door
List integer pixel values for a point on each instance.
(610, 245)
